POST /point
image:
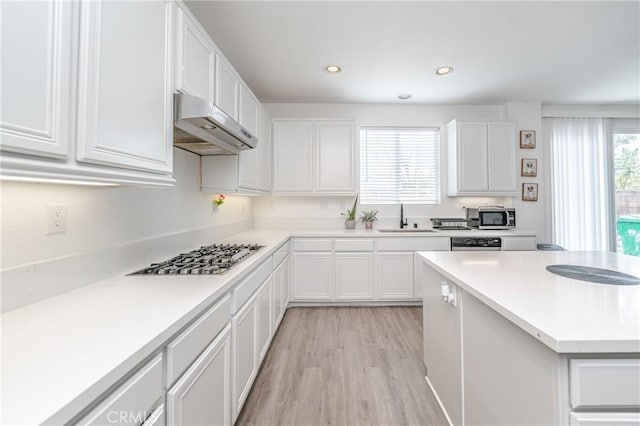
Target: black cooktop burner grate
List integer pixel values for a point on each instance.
(207, 260)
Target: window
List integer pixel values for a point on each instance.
(595, 176)
(399, 165)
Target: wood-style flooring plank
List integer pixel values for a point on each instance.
(345, 366)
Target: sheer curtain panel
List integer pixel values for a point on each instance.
(580, 182)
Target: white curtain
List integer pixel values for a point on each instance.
(580, 182)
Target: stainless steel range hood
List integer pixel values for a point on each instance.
(203, 128)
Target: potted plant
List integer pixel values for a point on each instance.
(368, 218)
(350, 216)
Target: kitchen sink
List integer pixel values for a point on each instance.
(405, 230)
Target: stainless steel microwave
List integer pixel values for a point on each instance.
(492, 217)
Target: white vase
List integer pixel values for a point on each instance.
(349, 224)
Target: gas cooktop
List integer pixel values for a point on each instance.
(207, 260)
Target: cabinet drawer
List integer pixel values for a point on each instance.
(605, 419)
(185, 348)
(132, 401)
(354, 245)
(414, 244)
(246, 288)
(311, 245)
(280, 254)
(601, 383)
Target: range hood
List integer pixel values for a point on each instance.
(203, 128)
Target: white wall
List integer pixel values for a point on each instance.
(325, 211)
(104, 217)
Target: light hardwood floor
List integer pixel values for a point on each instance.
(344, 366)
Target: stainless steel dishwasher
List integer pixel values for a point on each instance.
(476, 244)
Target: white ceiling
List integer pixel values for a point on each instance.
(553, 52)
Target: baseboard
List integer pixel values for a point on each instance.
(364, 303)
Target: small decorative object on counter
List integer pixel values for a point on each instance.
(218, 202)
(368, 218)
(350, 216)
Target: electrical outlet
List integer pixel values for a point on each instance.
(56, 219)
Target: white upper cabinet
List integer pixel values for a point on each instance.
(293, 156)
(254, 165)
(195, 57)
(249, 111)
(37, 64)
(227, 87)
(264, 150)
(481, 158)
(314, 157)
(125, 80)
(335, 153)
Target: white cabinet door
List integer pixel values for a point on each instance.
(312, 276)
(37, 62)
(248, 168)
(202, 396)
(277, 294)
(354, 276)
(286, 284)
(442, 344)
(481, 158)
(125, 82)
(264, 152)
(293, 156)
(472, 157)
(227, 87)
(249, 111)
(196, 57)
(335, 154)
(245, 352)
(395, 275)
(265, 323)
(501, 139)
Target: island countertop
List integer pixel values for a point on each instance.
(567, 315)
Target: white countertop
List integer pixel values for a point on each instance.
(58, 355)
(565, 314)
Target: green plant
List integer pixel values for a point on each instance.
(351, 214)
(369, 216)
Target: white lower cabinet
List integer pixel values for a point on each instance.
(202, 396)
(442, 344)
(278, 296)
(395, 275)
(312, 276)
(245, 352)
(354, 276)
(265, 324)
(286, 285)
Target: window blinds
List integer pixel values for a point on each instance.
(399, 165)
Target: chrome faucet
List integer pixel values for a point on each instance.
(403, 220)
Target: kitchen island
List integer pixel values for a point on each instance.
(514, 344)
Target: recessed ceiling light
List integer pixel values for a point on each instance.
(404, 96)
(333, 68)
(444, 70)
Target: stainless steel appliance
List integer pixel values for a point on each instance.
(476, 244)
(492, 217)
(203, 128)
(449, 223)
(207, 260)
